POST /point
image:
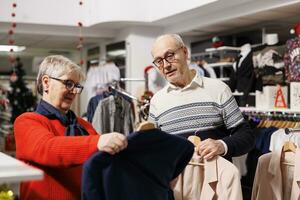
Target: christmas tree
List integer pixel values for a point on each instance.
(20, 97)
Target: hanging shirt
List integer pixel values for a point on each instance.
(279, 137)
(114, 113)
(292, 59)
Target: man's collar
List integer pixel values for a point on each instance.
(198, 80)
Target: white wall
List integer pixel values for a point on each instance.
(139, 42)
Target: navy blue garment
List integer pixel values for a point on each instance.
(69, 120)
(263, 138)
(143, 171)
(92, 105)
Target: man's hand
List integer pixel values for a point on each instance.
(210, 148)
(112, 143)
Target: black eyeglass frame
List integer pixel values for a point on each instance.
(169, 57)
(70, 85)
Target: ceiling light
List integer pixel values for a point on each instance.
(8, 48)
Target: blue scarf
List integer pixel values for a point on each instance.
(69, 120)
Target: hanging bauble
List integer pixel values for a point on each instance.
(81, 62)
(14, 5)
(80, 3)
(10, 32)
(79, 24)
(81, 39)
(11, 50)
(13, 77)
(14, 24)
(79, 46)
(11, 41)
(13, 14)
(12, 59)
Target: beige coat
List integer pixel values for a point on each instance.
(268, 181)
(217, 179)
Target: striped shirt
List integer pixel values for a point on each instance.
(204, 104)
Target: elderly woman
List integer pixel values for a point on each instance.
(53, 139)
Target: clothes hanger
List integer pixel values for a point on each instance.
(196, 141)
(289, 145)
(144, 126)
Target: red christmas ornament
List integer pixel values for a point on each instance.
(13, 77)
(14, 5)
(13, 14)
(11, 50)
(11, 41)
(79, 24)
(14, 24)
(12, 59)
(81, 62)
(80, 3)
(79, 46)
(80, 39)
(10, 32)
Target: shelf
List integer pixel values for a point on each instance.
(241, 93)
(223, 48)
(14, 171)
(220, 64)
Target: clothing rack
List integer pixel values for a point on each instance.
(291, 130)
(131, 79)
(112, 87)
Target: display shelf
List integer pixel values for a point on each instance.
(236, 93)
(14, 171)
(220, 64)
(223, 48)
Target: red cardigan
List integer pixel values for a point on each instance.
(41, 143)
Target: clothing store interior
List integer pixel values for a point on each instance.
(107, 91)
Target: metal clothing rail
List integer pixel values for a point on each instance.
(132, 79)
(113, 88)
(291, 130)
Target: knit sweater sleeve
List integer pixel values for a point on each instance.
(37, 143)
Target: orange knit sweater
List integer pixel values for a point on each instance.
(41, 143)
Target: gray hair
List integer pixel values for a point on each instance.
(57, 66)
(176, 37)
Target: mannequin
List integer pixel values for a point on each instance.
(244, 77)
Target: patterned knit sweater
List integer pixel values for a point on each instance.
(40, 142)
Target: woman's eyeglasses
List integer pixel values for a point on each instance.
(70, 85)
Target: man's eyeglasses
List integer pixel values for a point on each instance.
(70, 85)
(169, 57)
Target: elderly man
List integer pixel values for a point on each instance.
(191, 104)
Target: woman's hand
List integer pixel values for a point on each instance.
(112, 143)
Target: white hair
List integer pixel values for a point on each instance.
(57, 66)
(176, 37)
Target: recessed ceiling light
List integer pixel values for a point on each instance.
(8, 48)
